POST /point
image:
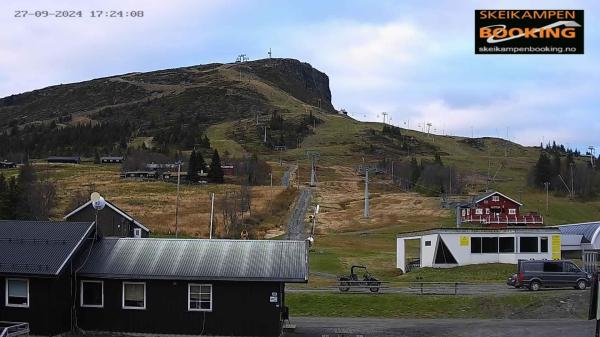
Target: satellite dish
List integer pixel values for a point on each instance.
(98, 201)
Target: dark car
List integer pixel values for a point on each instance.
(535, 274)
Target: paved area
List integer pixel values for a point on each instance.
(296, 222)
(370, 327)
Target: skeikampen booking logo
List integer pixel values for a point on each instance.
(529, 31)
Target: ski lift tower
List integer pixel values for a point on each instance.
(313, 156)
(592, 151)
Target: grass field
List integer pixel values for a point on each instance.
(434, 306)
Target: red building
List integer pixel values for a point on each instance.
(495, 208)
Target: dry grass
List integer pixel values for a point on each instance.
(342, 205)
(153, 202)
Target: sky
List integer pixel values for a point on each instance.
(412, 59)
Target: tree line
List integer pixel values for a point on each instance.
(26, 196)
(556, 166)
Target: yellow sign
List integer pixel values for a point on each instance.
(464, 240)
(555, 247)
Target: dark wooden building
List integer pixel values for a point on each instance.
(196, 287)
(496, 209)
(111, 160)
(140, 174)
(112, 221)
(37, 260)
(68, 160)
(7, 164)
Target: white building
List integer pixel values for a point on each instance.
(451, 247)
(580, 237)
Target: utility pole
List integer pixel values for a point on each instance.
(212, 213)
(177, 200)
(546, 184)
(265, 137)
(366, 211)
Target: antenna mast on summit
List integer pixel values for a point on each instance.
(270, 54)
(384, 115)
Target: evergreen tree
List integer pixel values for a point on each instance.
(415, 171)
(200, 163)
(215, 172)
(542, 170)
(556, 163)
(192, 171)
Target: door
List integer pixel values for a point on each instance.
(571, 274)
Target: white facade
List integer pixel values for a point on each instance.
(446, 248)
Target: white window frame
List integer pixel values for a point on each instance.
(6, 293)
(487, 211)
(512, 211)
(190, 285)
(495, 198)
(81, 294)
(137, 232)
(123, 306)
(479, 211)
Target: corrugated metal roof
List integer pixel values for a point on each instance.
(39, 247)
(587, 229)
(199, 259)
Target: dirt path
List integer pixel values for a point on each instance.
(296, 222)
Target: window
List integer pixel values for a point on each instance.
(553, 267)
(475, 245)
(544, 244)
(512, 211)
(495, 198)
(92, 294)
(17, 293)
(479, 211)
(571, 268)
(484, 245)
(487, 211)
(489, 245)
(199, 297)
(427, 243)
(507, 245)
(137, 232)
(134, 295)
(528, 244)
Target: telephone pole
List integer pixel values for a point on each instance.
(177, 200)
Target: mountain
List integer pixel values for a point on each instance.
(174, 106)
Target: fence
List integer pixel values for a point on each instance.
(13, 329)
(590, 260)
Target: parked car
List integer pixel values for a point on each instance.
(535, 274)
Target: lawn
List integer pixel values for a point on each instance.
(413, 306)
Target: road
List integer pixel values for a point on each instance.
(460, 289)
(296, 222)
(370, 327)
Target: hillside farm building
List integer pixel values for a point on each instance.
(67, 160)
(495, 209)
(112, 221)
(451, 247)
(140, 174)
(59, 276)
(7, 164)
(111, 160)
